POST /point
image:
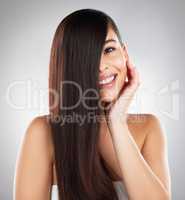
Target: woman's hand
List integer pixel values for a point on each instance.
(117, 110)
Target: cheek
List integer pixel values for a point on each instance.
(120, 62)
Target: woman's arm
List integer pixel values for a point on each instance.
(144, 179)
(33, 174)
(146, 176)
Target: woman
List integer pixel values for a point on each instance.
(108, 149)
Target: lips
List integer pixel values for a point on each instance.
(108, 81)
(103, 77)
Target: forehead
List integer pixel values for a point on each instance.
(111, 34)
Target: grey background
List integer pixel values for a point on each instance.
(155, 34)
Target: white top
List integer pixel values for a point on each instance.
(119, 186)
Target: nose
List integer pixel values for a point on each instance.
(103, 67)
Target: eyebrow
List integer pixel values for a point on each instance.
(110, 40)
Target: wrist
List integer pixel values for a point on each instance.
(119, 118)
(118, 123)
(116, 127)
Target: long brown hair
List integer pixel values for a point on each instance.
(75, 58)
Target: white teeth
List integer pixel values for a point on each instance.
(107, 80)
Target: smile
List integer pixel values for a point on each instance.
(108, 82)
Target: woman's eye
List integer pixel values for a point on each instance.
(109, 49)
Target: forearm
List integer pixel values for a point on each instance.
(140, 180)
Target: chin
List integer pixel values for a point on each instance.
(108, 98)
(109, 95)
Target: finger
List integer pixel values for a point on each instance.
(129, 73)
(126, 50)
(135, 78)
(129, 62)
(132, 72)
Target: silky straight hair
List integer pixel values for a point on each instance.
(74, 61)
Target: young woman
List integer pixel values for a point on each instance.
(92, 77)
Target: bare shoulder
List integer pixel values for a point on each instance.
(155, 136)
(155, 147)
(39, 132)
(139, 126)
(34, 161)
(141, 120)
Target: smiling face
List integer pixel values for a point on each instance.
(112, 70)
